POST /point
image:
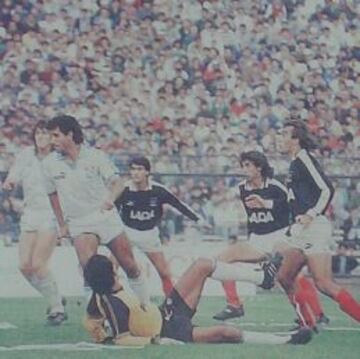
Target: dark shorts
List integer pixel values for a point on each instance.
(176, 318)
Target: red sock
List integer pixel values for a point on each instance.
(309, 291)
(232, 297)
(348, 304)
(303, 309)
(167, 285)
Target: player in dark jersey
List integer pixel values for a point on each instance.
(141, 208)
(310, 192)
(115, 316)
(266, 204)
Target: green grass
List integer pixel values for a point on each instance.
(265, 312)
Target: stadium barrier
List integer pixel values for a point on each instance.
(68, 274)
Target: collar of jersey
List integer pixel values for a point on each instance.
(133, 188)
(249, 187)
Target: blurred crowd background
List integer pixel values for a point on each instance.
(190, 84)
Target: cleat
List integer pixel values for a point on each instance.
(230, 312)
(302, 336)
(63, 303)
(270, 270)
(56, 319)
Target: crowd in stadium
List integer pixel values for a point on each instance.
(181, 81)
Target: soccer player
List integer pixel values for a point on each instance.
(310, 192)
(38, 224)
(82, 184)
(266, 204)
(115, 316)
(141, 207)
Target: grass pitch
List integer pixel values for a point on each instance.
(264, 312)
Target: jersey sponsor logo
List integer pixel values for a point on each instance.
(261, 217)
(142, 215)
(291, 195)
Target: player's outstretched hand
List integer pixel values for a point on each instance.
(304, 219)
(254, 201)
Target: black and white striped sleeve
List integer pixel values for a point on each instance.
(325, 192)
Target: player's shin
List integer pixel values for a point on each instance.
(308, 289)
(348, 304)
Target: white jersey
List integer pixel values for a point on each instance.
(27, 171)
(80, 184)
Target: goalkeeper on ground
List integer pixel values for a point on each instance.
(116, 316)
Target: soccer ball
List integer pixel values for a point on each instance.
(145, 323)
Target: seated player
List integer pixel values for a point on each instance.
(128, 323)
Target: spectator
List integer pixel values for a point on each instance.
(343, 263)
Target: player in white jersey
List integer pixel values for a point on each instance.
(82, 184)
(38, 225)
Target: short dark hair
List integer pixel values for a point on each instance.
(67, 124)
(42, 124)
(301, 132)
(259, 160)
(140, 161)
(99, 274)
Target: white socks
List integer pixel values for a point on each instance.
(264, 338)
(139, 287)
(48, 288)
(243, 272)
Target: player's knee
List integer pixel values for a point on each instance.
(322, 284)
(231, 335)
(132, 271)
(204, 265)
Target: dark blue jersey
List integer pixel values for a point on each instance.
(310, 190)
(142, 210)
(266, 220)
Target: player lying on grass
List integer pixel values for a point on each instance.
(116, 316)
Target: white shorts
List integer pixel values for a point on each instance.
(265, 243)
(36, 220)
(314, 238)
(147, 241)
(107, 225)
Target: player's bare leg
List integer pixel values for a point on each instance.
(190, 287)
(122, 251)
(242, 252)
(26, 245)
(86, 245)
(35, 250)
(163, 268)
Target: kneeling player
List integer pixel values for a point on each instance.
(130, 324)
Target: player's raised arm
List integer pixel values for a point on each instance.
(182, 207)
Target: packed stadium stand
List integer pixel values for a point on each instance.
(190, 84)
